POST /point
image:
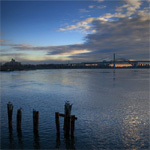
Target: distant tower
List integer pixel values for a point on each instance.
(114, 62)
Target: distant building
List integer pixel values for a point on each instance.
(91, 65)
(12, 63)
(11, 66)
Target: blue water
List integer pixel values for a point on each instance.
(112, 108)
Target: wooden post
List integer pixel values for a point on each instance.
(67, 112)
(72, 125)
(10, 112)
(67, 128)
(57, 122)
(68, 108)
(35, 121)
(19, 118)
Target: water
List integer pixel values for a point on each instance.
(112, 108)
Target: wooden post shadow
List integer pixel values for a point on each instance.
(36, 140)
(19, 130)
(58, 142)
(70, 143)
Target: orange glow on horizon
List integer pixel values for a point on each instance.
(120, 65)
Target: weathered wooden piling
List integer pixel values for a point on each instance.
(67, 112)
(10, 112)
(19, 118)
(35, 121)
(69, 120)
(57, 123)
(67, 128)
(68, 108)
(72, 125)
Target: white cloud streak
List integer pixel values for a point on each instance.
(126, 10)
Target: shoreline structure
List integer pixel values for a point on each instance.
(114, 64)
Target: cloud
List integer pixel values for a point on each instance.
(66, 49)
(71, 52)
(127, 37)
(101, 6)
(83, 10)
(51, 50)
(120, 33)
(1, 40)
(98, 7)
(13, 54)
(84, 25)
(99, 1)
(130, 8)
(135, 3)
(5, 56)
(68, 28)
(18, 46)
(91, 6)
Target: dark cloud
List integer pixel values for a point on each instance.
(124, 36)
(13, 54)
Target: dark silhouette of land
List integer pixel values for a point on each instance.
(17, 66)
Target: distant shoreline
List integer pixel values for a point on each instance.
(17, 66)
(21, 69)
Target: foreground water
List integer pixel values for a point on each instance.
(112, 108)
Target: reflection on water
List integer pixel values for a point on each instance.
(11, 140)
(58, 142)
(69, 142)
(36, 140)
(20, 142)
(131, 130)
(114, 75)
(112, 108)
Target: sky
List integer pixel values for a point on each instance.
(74, 31)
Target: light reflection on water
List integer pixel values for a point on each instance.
(112, 108)
(131, 130)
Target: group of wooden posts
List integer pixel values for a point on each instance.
(69, 120)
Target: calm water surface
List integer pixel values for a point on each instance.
(112, 108)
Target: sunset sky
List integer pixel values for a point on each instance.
(75, 31)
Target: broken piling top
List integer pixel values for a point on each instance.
(10, 106)
(68, 108)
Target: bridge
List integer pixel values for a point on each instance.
(117, 62)
(121, 62)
